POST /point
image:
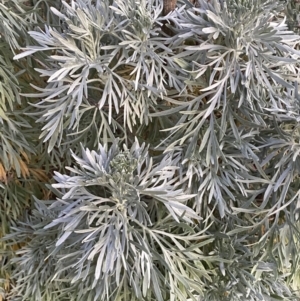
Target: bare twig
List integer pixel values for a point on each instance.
(169, 5)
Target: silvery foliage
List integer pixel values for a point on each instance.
(115, 214)
(213, 213)
(34, 256)
(12, 140)
(106, 60)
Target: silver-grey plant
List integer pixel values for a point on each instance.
(147, 156)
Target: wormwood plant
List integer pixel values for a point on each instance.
(146, 156)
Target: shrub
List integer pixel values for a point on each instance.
(147, 156)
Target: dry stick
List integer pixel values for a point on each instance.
(168, 5)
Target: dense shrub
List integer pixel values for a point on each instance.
(146, 156)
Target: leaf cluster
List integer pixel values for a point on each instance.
(175, 153)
